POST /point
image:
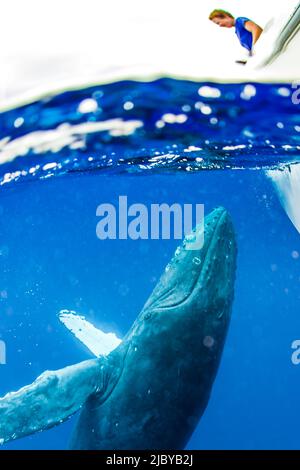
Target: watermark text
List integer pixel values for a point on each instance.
(154, 222)
(296, 92)
(296, 354)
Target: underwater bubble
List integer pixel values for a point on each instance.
(128, 105)
(88, 105)
(248, 92)
(160, 124)
(49, 166)
(295, 254)
(123, 289)
(283, 91)
(192, 148)
(3, 294)
(177, 252)
(209, 92)
(208, 341)
(196, 261)
(181, 118)
(33, 169)
(97, 94)
(205, 109)
(1, 441)
(191, 237)
(234, 147)
(18, 122)
(170, 118)
(248, 133)
(4, 250)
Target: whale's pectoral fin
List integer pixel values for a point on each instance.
(98, 342)
(51, 399)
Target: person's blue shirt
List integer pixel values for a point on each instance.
(245, 37)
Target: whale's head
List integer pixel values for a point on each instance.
(198, 283)
(184, 323)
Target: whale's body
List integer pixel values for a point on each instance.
(168, 361)
(151, 391)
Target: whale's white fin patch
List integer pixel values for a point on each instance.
(98, 342)
(287, 184)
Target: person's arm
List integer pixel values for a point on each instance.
(254, 29)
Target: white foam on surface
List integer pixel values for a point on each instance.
(98, 342)
(64, 135)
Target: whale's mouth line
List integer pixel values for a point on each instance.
(185, 299)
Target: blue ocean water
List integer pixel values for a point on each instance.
(166, 141)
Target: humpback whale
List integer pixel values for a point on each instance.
(152, 389)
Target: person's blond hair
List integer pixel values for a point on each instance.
(220, 14)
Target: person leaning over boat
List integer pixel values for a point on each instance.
(246, 30)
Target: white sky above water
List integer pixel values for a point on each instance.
(45, 42)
